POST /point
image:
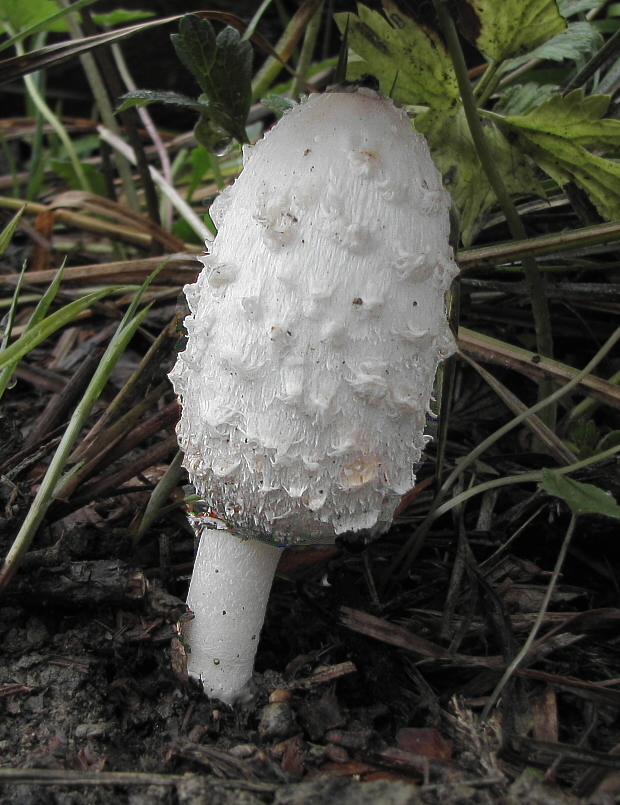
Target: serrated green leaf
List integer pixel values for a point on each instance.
(223, 67)
(232, 80)
(575, 118)
(581, 498)
(505, 29)
(455, 155)
(566, 162)
(520, 99)
(144, 97)
(580, 40)
(195, 46)
(556, 136)
(410, 60)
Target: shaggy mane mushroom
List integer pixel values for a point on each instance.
(315, 332)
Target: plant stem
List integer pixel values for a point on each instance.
(104, 106)
(487, 83)
(51, 118)
(540, 311)
(307, 50)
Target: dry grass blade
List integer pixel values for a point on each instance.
(124, 216)
(532, 365)
(179, 268)
(503, 253)
(125, 234)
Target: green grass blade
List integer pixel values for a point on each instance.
(5, 374)
(52, 483)
(40, 331)
(46, 300)
(9, 230)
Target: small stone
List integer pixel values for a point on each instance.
(277, 722)
(280, 695)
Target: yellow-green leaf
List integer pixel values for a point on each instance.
(409, 59)
(575, 118)
(505, 29)
(565, 161)
(454, 154)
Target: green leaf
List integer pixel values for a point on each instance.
(455, 155)
(581, 498)
(144, 97)
(578, 42)
(575, 118)
(231, 86)
(410, 60)
(556, 135)
(278, 104)
(223, 68)
(520, 99)
(568, 8)
(195, 46)
(505, 29)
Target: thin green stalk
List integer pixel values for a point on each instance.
(43, 329)
(105, 108)
(249, 31)
(487, 84)
(586, 407)
(7, 372)
(43, 25)
(540, 311)
(307, 52)
(159, 496)
(516, 662)
(51, 118)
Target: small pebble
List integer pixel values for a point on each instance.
(280, 695)
(277, 722)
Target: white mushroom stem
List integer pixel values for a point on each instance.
(228, 595)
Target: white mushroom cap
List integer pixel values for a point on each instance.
(317, 325)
